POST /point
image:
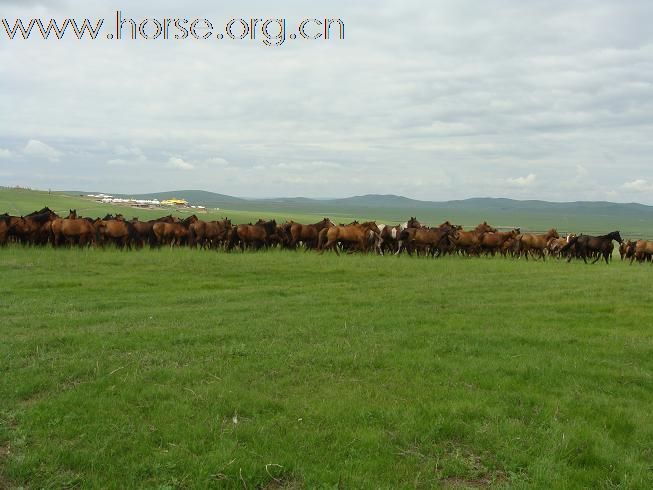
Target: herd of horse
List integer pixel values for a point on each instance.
(45, 227)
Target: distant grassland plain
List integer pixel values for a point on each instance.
(195, 369)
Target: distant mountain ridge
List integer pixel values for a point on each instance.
(394, 201)
(212, 199)
(364, 204)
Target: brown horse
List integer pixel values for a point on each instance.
(172, 231)
(492, 242)
(470, 241)
(428, 240)
(254, 236)
(73, 230)
(555, 246)
(530, 243)
(359, 236)
(627, 249)
(4, 229)
(118, 231)
(196, 232)
(433, 241)
(307, 234)
(397, 238)
(142, 231)
(641, 251)
(209, 234)
(33, 229)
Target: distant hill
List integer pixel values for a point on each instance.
(589, 216)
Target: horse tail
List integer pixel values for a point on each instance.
(132, 233)
(232, 238)
(403, 235)
(97, 233)
(151, 238)
(322, 238)
(192, 236)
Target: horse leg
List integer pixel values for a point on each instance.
(333, 245)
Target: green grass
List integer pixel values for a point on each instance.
(129, 370)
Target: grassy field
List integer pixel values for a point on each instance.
(188, 369)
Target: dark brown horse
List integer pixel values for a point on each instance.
(4, 229)
(589, 246)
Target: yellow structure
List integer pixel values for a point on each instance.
(175, 202)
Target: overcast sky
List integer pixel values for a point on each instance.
(432, 100)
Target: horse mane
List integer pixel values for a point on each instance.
(45, 210)
(39, 218)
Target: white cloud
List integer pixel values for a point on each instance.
(120, 162)
(130, 153)
(581, 171)
(39, 150)
(127, 157)
(308, 165)
(4, 153)
(527, 181)
(217, 161)
(179, 163)
(638, 185)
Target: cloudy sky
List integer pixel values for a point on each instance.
(432, 100)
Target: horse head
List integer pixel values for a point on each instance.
(552, 233)
(485, 228)
(413, 223)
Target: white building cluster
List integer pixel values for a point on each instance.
(107, 199)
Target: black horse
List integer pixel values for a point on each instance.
(588, 246)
